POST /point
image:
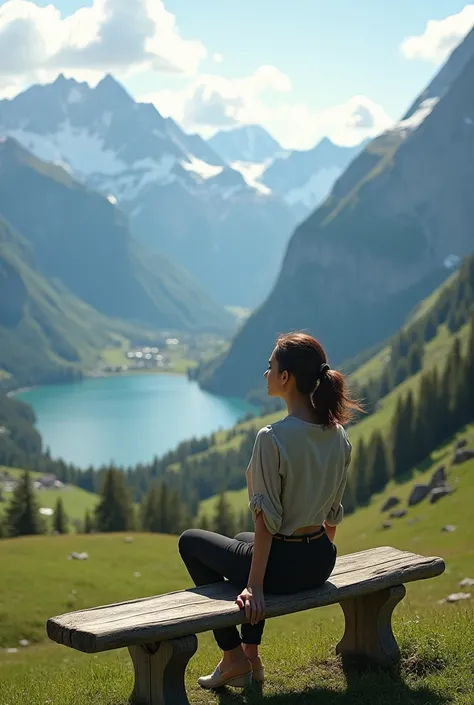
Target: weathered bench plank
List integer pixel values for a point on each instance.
(178, 614)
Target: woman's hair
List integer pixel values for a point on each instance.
(304, 357)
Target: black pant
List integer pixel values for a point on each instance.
(292, 567)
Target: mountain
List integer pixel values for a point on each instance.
(249, 143)
(180, 196)
(303, 179)
(82, 240)
(46, 333)
(395, 223)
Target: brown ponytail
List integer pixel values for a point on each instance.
(304, 358)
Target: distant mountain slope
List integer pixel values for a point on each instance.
(46, 333)
(382, 241)
(82, 240)
(181, 197)
(246, 143)
(304, 178)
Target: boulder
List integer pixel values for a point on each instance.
(78, 556)
(438, 492)
(461, 443)
(418, 493)
(462, 455)
(398, 513)
(438, 478)
(386, 525)
(389, 503)
(466, 582)
(449, 528)
(456, 597)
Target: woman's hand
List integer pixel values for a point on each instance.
(253, 600)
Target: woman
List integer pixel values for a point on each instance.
(296, 478)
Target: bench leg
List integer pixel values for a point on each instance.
(159, 671)
(368, 631)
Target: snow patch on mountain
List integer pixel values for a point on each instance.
(315, 190)
(252, 172)
(128, 184)
(83, 151)
(203, 169)
(419, 116)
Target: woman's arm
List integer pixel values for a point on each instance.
(261, 551)
(252, 598)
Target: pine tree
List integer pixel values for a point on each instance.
(176, 513)
(360, 473)
(88, 526)
(377, 464)
(150, 511)
(113, 512)
(23, 518)
(224, 522)
(204, 523)
(415, 358)
(430, 328)
(165, 523)
(456, 363)
(60, 520)
(403, 436)
(424, 427)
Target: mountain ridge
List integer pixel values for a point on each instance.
(181, 198)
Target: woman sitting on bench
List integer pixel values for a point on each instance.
(296, 478)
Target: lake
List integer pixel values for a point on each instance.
(127, 420)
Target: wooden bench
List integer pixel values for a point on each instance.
(160, 632)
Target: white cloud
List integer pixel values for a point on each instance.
(213, 102)
(440, 37)
(217, 58)
(119, 36)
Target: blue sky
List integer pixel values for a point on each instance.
(341, 67)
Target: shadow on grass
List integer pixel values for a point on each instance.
(374, 686)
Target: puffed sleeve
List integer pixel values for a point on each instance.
(336, 513)
(264, 480)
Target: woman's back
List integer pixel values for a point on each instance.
(297, 474)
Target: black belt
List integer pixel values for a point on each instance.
(302, 538)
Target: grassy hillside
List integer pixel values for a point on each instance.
(437, 640)
(75, 500)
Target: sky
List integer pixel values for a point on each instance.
(303, 69)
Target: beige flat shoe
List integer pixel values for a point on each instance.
(237, 676)
(258, 670)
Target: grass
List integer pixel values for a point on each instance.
(437, 641)
(75, 499)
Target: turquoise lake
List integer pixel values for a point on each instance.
(127, 420)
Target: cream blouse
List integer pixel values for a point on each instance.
(297, 474)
